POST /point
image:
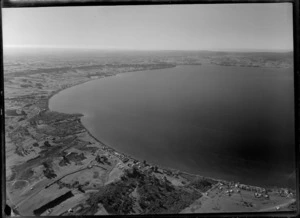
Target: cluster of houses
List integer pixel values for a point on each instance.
(236, 187)
(259, 192)
(122, 157)
(261, 195)
(285, 193)
(229, 188)
(135, 163)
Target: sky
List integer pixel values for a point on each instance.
(152, 27)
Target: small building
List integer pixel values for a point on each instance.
(94, 77)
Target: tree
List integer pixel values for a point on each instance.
(98, 159)
(80, 189)
(66, 159)
(47, 144)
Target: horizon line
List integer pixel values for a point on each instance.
(145, 49)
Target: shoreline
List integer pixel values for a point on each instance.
(112, 150)
(123, 164)
(80, 83)
(46, 148)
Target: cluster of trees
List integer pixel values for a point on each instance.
(156, 195)
(102, 159)
(77, 158)
(114, 197)
(48, 171)
(47, 144)
(161, 196)
(202, 184)
(65, 161)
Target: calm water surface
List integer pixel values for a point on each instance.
(233, 123)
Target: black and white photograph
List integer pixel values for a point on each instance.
(150, 109)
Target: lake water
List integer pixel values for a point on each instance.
(233, 123)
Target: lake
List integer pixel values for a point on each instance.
(233, 123)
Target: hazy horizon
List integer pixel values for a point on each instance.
(242, 50)
(209, 27)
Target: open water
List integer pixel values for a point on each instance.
(234, 123)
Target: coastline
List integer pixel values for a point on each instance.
(80, 83)
(51, 153)
(113, 154)
(111, 150)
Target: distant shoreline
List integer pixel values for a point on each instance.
(244, 50)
